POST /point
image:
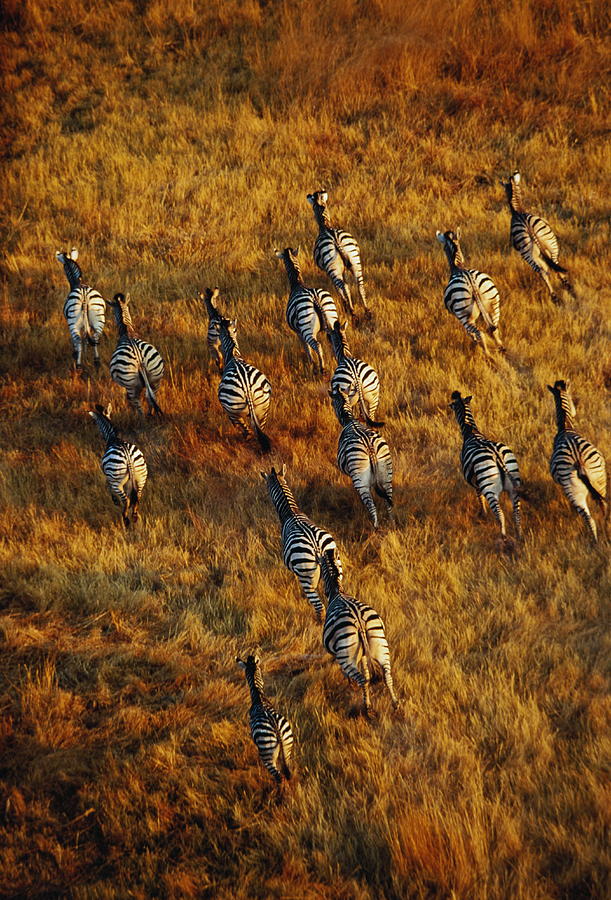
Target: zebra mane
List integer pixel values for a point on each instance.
(208, 297)
(462, 410)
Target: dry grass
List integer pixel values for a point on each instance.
(175, 150)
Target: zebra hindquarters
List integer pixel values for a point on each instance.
(301, 557)
(355, 462)
(383, 475)
(342, 639)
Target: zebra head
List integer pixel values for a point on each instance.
(252, 668)
(450, 241)
(208, 297)
(462, 409)
(337, 338)
(101, 417)
(343, 402)
(69, 262)
(562, 395)
(318, 202)
(273, 474)
(289, 257)
(512, 190)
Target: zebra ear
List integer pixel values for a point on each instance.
(310, 199)
(516, 177)
(264, 476)
(551, 389)
(127, 298)
(324, 196)
(240, 662)
(343, 326)
(278, 253)
(74, 253)
(283, 470)
(468, 399)
(297, 251)
(108, 410)
(458, 233)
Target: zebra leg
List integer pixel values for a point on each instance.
(585, 514)
(133, 398)
(77, 352)
(309, 583)
(496, 337)
(344, 291)
(515, 502)
(238, 421)
(495, 506)
(96, 354)
(365, 685)
(389, 684)
(367, 501)
(541, 270)
(476, 336)
(316, 347)
(484, 507)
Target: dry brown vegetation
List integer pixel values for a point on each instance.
(174, 144)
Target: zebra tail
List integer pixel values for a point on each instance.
(149, 391)
(553, 265)
(480, 305)
(364, 411)
(264, 441)
(322, 319)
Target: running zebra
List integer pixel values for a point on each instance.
(244, 392)
(123, 465)
(270, 730)
(362, 454)
(353, 634)
(470, 295)
(213, 338)
(354, 377)
(576, 465)
(533, 238)
(84, 310)
(303, 542)
(309, 310)
(335, 251)
(135, 365)
(488, 466)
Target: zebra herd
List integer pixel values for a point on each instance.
(353, 633)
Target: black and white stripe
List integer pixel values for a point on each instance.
(336, 251)
(533, 238)
(303, 542)
(576, 465)
(362, 454)
(123, 465)
(488, 466)
(354, 635)
(244, 392)
(213, 337)
(135, 365)
(270, 730)
(84, 309)
(354, 377)
(309, 311)
(470, 295)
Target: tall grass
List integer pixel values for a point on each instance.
(174, 147)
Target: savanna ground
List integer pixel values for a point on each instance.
(174, 146)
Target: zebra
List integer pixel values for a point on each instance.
(244, 392)
(213, 338)
(352, 373)
(354, 635)
(470, 295)
(84, 309)
(303, 542)
(123, 465)
(135, 364)
(488, 466)
(575, 464)
(309, 310)
(270, 730)
(533, 238)
(362, 454)
(335, 250)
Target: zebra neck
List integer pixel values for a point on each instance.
(107, 429)
(73, 273)
(124, 323)
(515, 203)
(255, 684)
(563, 418)
(323, 219)
(468, 428)
(283, 500)
(341, 350)
(294, 274)
(346, 418)
(229, 347)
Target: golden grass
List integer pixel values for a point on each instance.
(175, 148)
